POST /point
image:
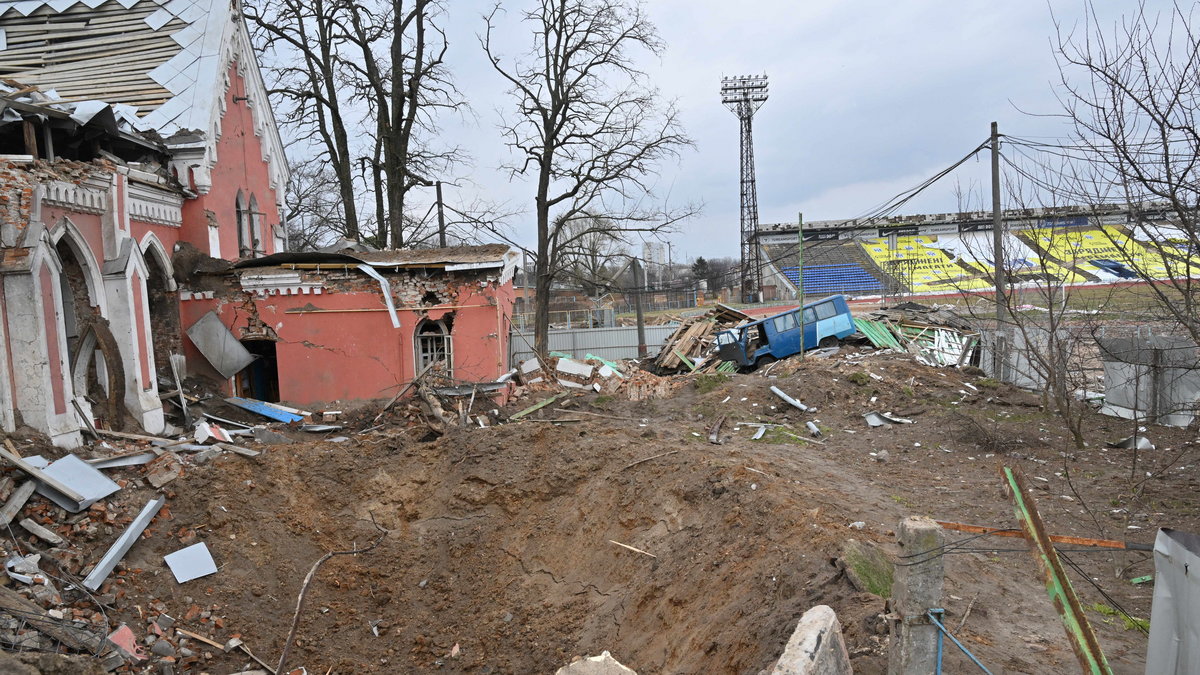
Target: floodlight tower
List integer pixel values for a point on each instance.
(744, 95)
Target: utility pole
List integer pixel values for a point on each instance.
(998, 231)
(800, 275)
(441, 216)
(639, 280)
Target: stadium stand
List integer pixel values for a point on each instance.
(924, 268)
(829, 267)
(1105, 253)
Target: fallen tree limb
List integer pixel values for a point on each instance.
(287, 644)
(629, 466)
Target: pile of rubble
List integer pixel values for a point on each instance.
(935, 336)
(695, 338)
(73, 520)
(598, 374)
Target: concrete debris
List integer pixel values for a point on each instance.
(206, 432)
(816, 646)
(190, 563)
(164, 469)
(604, 664)
(25, 569)
(42, 533)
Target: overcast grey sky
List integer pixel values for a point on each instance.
(867, 98)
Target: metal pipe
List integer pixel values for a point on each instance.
(960, 645)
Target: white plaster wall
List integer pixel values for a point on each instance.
(141, 398)
(28, 341)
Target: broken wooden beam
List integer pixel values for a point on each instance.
(539, 405)
(76, 638)
(16, 502)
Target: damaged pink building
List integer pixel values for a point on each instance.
(319, 328)
(117, 151)
(135, 137)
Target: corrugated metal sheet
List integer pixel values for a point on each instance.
(619, 342)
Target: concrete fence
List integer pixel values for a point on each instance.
(619, 342)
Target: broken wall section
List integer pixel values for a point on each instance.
(334, 335)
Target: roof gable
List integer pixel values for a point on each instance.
(168, 58)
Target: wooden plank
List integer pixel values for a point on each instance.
(75, 638)
(16, 501)
(41, 476)
(538, 406)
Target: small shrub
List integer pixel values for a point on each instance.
(987, 383)
(710, 382)
(861, 378)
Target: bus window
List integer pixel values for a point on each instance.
(826, 310)
(809, 317)
(784, 322)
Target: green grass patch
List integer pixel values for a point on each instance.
(1131, 622)
(710, 382)
(861, 378)
(869, 567)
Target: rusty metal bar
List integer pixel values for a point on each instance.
(1058, 587)
(1056, 538)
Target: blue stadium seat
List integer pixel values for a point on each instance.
(844, 278)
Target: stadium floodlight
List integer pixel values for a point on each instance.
(744, 95)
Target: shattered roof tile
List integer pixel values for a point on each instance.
(142, 53)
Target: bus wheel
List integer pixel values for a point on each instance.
(828, 341)
(764, 361)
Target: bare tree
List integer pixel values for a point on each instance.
(587, 127)
(592, 251)
(362, 83)
(315, 215)
(1132, 98)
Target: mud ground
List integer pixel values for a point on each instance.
(498, 554)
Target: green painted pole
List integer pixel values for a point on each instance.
(1058, 586)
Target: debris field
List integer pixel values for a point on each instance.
(598, 523)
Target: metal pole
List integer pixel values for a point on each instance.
(639, 280)
(998, 230)
(800, 275)
(441, 216)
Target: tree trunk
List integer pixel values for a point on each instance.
(541, 266)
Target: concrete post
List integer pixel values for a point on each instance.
(915, 589)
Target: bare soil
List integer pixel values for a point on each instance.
(499, 553)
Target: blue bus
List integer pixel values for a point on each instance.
(758, 343)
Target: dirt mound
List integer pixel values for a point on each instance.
(501, 543)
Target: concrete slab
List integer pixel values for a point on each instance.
(604, 664)
(816, 646)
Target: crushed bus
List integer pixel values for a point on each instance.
(755, 344)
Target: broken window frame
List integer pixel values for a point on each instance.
(432, 342)
(245, 237)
